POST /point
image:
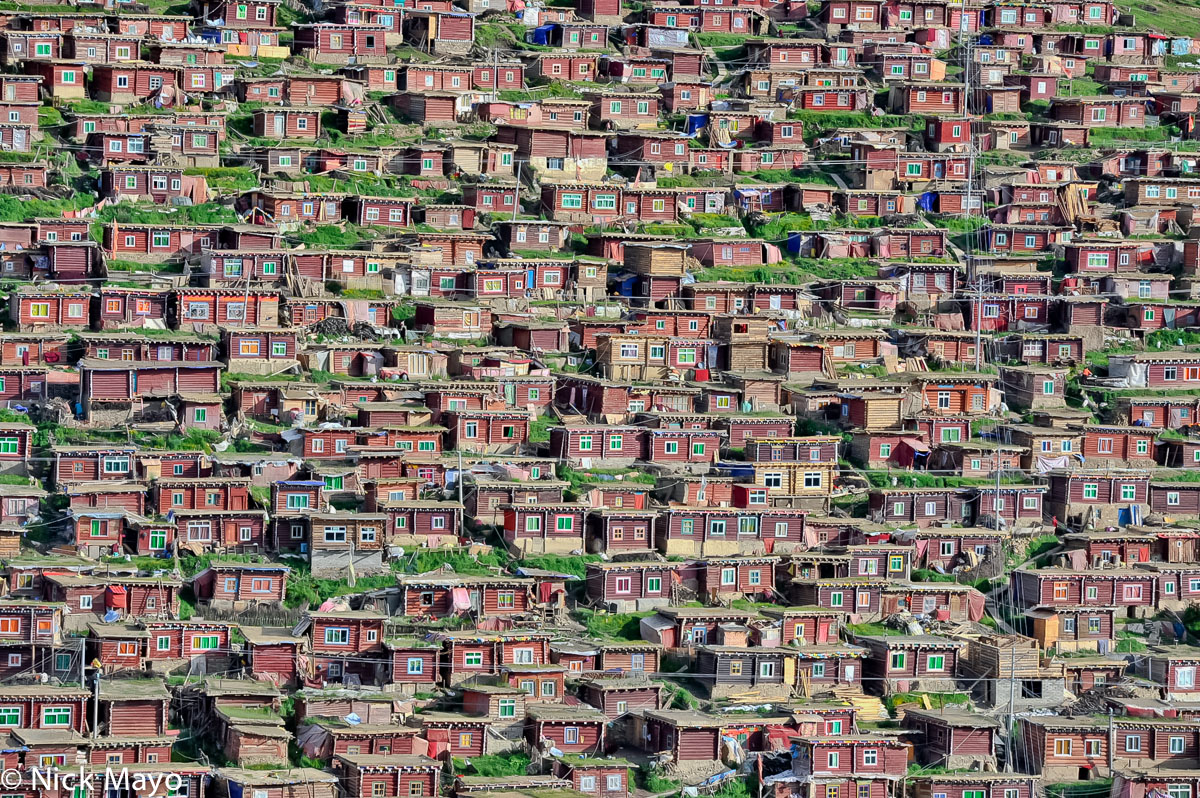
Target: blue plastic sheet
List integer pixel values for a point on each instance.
(695, 123)
(794, 243)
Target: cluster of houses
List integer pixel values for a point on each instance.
(577, 398)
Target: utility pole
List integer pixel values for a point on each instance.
(1110, 739)
(965, 43)
(459, 480)
(997, 505)
(495, 74)
(95, 707)
(517, 199)
(1012, 699)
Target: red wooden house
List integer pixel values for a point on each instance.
(287, 122)
(48, 707)
(383, 211)
(225, 306)
(142, 241)
(1101, 111)
(133, 81)
(917, 97)
(572, 729)
(332, 43)
(34, 309)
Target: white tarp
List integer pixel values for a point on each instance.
(667, 37)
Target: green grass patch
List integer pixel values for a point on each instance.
(332, 237)
(874, 630)
(1191, 619)
(146, 563)
(1186, 475)
(1040, 545)
(14, 208)
(1096, 30)
(163, 267)
(89, 107)
(708, 221)
(576, 565)
(777, 227)
(578, 478)
(863, 370)
(513, 763)
(494, 35)
(929, 575)
(730, 55)
(304, 591)
(49, 116)
(261, 495)
(1170, 339)
(958, 224)
(734, 788)
(484, 564)
(818, 122)
(139, 213)
(613, 626)
(883, 479)
(1080, 87)
(794, 271)
(1079, 789)
(679, 181)
(189, 565)
(649, 780)
(937, 700)
(1171, 19)
(196, 440)
(1101, 135)
(813, 176)
(719, 39)
(227, 179)
(1129, 643)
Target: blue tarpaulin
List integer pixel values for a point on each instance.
(540, 34)
(695, 123)
(926, 200)
(717, 778)
(737, 469)
(794, 243)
